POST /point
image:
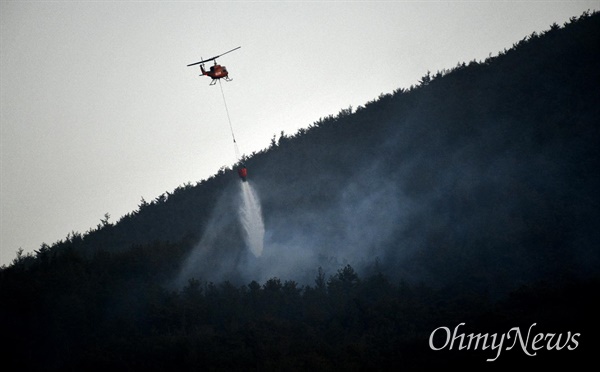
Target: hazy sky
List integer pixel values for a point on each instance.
(98, 108)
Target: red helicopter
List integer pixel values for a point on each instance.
(216, 71)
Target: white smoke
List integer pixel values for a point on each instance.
(353, 226)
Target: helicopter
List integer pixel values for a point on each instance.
(216, 71)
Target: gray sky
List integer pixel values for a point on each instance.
(98, 108)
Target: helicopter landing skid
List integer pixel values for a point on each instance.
(214, 81)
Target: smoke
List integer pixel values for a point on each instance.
(326, 222)
(482, 209)
(218, 252)
(251, 219)
(297, 235)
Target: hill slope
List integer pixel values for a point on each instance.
(489, 168)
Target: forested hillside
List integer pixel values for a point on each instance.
(472, 197)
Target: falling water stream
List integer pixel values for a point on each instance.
(251, 219)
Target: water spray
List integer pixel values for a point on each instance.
(250, 213)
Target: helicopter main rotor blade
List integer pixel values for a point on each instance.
(197, 63)
(229, 51)
(213, 58)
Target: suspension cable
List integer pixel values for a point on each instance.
(235, 146)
